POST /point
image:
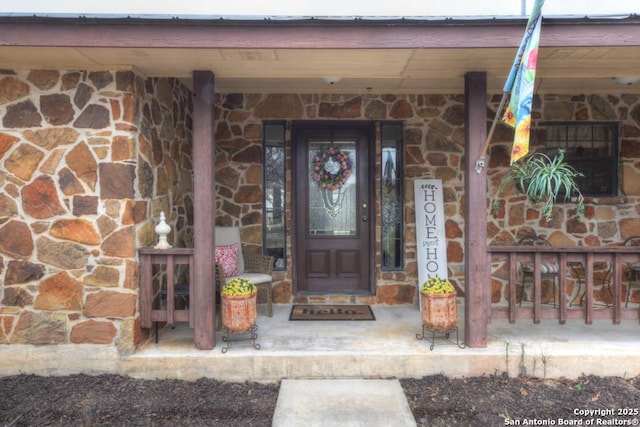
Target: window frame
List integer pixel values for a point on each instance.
(265, 146)
(612, 160)
(399, 166)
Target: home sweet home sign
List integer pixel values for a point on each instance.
(430, 231)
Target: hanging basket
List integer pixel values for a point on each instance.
(439, 311)
(239, 312)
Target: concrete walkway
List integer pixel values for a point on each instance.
(345, 403)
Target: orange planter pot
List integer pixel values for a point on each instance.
(439, 311)
(239, 313)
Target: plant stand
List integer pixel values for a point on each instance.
(440, 311)
(441, 334)
(249, 335)
(238, 313)
(440, 317)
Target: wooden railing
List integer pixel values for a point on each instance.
(161, 284)
(509, 259)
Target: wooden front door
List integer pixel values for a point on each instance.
(333, 215)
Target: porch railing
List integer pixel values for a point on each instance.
(159, 284)
(506, 265)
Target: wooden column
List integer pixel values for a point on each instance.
(204, 203)
(477, 272)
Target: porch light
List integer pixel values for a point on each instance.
(627, 81)
(332, 80)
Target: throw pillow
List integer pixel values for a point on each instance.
(227, 257)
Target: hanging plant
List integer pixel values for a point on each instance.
(331, 169)
(543, 179)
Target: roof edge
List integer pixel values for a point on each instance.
(307, 20)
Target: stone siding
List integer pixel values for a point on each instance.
(434, 144)
(607, 220)
(88, 160)
(434, 148)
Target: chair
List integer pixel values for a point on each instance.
(577, 271)
(549, 269)
(603, 270)
(633, 268)
(255, 267)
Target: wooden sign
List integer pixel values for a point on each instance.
(430, 232)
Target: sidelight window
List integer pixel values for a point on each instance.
(392, 196)
(274, 193)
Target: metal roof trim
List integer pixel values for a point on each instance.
(303, 19)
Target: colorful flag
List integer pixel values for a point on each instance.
(520, 83)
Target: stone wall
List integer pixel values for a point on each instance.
(434, 148)
(88, 160)
(607, 220)
(434, 144)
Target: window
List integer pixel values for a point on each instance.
(392, 196)
(592, 149)
(274, 192)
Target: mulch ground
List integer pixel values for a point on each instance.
(111, 400)
(499, 401)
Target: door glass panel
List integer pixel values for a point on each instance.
(332, 188)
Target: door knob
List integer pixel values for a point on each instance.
(364, 218)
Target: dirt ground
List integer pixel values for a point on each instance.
(109, 400)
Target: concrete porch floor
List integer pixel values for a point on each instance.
(388, 347)
(384, 348)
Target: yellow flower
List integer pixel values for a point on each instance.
(509, 118)
(239, 286)
(437, 285)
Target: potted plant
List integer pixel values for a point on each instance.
(439, 305)
(239, 306)
(543, 179)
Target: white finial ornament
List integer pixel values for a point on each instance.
(163, 229)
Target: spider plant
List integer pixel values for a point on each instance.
(544, 179)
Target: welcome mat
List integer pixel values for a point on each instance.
(331, 312)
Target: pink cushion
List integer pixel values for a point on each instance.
(227, 257)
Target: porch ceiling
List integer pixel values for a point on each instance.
(379, 57)
(561, 70)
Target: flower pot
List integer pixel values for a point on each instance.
(239, 313)
(439, 311)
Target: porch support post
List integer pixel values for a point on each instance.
(477, 270)
(204, 195)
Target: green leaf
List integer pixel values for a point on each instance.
(542, 179)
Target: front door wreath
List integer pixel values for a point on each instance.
(331, 169)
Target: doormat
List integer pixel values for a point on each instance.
(331, 312)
